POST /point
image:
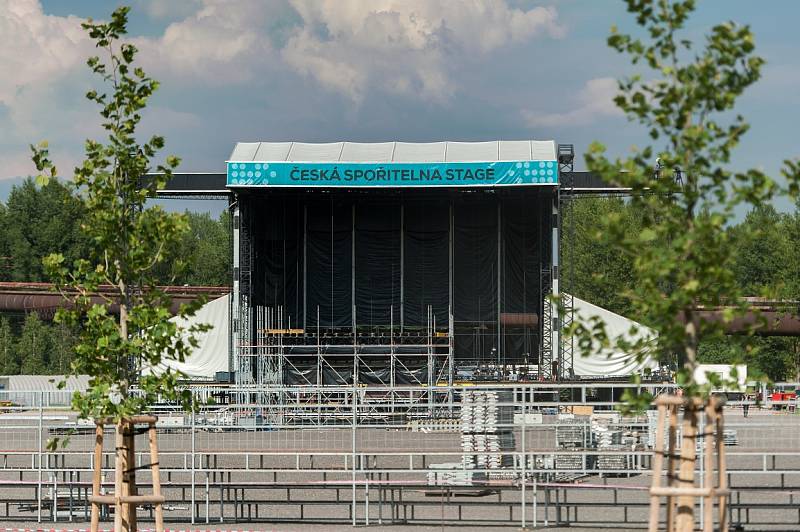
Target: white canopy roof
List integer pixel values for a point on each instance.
(396, 152)
(611, 362)
(211, 354)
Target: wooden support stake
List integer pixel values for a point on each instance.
(708, 477)
(154, 467)
(97, 476)
(130, 472)
(684, 520)
(125, 498)
(683, 487)
(671, 476)
(119, 462)
(658, 461)
(722, 471)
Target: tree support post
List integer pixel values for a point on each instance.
(681, 487)
(125, 498)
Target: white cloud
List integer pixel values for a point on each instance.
(419, 49)
(347, 46)
(594, 101)
(219, 44)
(404, 46)
(36, 48)
(42, 58)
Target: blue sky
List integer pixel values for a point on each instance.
(327, 70)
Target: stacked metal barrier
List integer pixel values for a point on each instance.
(487, 436)
(611, 438)
(572, 435)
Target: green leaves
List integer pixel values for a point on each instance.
(646, 235)
(680, 254)
(126, 333)
(45, 167)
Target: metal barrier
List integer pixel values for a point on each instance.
(380, 455)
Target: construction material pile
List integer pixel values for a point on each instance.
(486, 429)
(729, 436)
(610, 437)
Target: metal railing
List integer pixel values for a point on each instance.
(366, 455)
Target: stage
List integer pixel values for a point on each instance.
(392, 263)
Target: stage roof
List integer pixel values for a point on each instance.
(395, 152)
(393, 164)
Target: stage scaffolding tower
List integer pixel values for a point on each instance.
(364, 336)
(557, 349)
(566, 346)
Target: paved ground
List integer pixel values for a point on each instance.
(765, 439)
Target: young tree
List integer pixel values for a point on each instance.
(790, 228)
(131, 333)
(681, 255)
(33, 346)
(62, 347)
(40, 221)
(595, 272)
(762, 248)
(9, 365)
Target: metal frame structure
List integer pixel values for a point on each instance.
(566, 346)
(263, 338)
(555, 349)
(377, 460)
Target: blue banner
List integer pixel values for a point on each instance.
(457, 174)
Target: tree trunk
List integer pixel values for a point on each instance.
(684, 521)
(685, 515)
(126, 485)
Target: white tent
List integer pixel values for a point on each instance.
(609, 362)
(211, 354)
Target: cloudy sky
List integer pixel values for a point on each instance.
(327, 70)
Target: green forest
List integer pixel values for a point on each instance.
(38, 220)
(765, 245)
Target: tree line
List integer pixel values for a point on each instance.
(765, 246)
(36, 221)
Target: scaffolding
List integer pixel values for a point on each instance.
(285, 355)
(305, 267)
(396, 285)
(566, 348)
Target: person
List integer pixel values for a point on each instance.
(746, 406)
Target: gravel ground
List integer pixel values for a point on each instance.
(765, 439)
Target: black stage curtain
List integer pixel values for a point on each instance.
(381, 377)
(475, 276)
(337, 377)
(411, 376)
(277, 280)
(426, 258)
(278, 253)
(520, 293)
(299, 377)
(377, 255)
(329, 275)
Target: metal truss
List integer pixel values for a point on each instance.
(566, 344)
